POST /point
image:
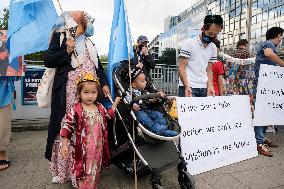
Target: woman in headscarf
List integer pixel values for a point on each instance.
(72, 54)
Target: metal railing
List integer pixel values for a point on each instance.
(165, 78)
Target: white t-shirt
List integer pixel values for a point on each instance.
(198, 58)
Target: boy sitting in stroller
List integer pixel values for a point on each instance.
(153, 120)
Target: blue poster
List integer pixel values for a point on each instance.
(30, 83)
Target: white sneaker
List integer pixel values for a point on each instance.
(55, 180)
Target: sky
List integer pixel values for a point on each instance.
(145, 16)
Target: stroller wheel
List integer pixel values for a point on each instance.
(186, 180)
(157, 186)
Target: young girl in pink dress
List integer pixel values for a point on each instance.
(86, 129)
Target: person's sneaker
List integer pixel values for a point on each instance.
(55, 180)
(269, 143)
(263, 150)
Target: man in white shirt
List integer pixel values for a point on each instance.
(196, 58)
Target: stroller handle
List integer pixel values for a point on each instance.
(147, 96)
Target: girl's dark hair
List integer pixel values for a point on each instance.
(273, 32)
(81, 85)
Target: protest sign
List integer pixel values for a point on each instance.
(30, 84)
(216, 131)
(269, 105)
(14, 68)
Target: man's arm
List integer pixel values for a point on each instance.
(268, 52)
(182, 74)
(210, 88)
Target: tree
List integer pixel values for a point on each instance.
(168, 57)
(104, 58)
(4, 19)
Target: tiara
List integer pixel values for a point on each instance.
(87, 77)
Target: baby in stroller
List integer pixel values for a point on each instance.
(152, 119)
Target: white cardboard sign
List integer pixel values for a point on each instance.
(216, 131)
(269, 106)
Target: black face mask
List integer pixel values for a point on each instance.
(140, 47)
(207, 39)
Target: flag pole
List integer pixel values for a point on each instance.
(133, 124)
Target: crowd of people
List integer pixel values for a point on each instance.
(77, 141)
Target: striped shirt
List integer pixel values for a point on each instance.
(198, 59)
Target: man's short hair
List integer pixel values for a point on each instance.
(273, 32)
(242, 42)
(212, 19)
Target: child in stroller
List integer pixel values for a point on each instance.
(152, 119)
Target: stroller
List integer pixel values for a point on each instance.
(154, 153)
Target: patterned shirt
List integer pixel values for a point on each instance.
(241, 53)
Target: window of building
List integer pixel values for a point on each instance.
(230, 40)
(264, 15)
(263, 30)
(243, 23)
(238, 11)
(232, 26)
(254, 5)
(232, 13)
(260, 4)
(282, 9)
(259, 18)
(252, 34)
(258, 32)
(253, 20)
(271, 13)
(243, 36)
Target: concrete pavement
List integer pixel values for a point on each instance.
(29, 169)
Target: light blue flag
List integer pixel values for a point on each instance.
(29, 26)
(120, 44)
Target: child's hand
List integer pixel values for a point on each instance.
(136, 107)
(64, 148)
(117, 100)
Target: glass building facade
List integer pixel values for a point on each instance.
(264, 15)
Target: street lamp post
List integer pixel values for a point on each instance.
(248, 22)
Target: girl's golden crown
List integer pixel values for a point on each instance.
(87, 77)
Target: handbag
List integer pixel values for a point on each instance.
(44, 91)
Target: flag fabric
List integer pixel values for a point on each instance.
(29, 26)
(120, 44)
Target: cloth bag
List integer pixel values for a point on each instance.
(44, 91)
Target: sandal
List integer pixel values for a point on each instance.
(4, 162)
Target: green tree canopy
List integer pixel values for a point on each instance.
(4, 19)
(168, 57)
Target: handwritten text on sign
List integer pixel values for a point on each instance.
(216, 131)
(269, 106)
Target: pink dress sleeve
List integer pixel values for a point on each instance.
(68, 124)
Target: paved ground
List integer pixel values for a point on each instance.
(29, 170)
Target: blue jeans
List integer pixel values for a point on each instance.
(154, 120)
(196, 92)
(260, 134)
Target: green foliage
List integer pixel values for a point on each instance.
(4, 19)
(104, 58)
(168, 57)
(38, 56)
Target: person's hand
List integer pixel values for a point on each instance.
(145, 51)
(161, 94)
(106, 91)
(188, 91)
(70, 45)
(140, 65)
(64, 148)
(117, 100)
(210, 91)
(136, 107)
